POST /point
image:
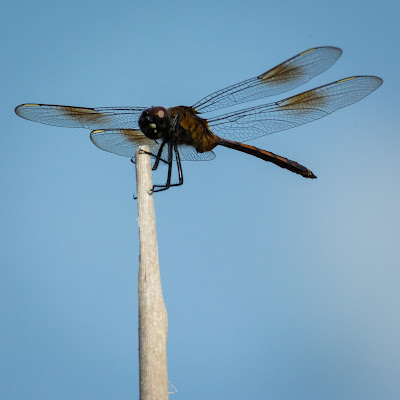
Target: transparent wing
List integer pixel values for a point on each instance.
(296, 110)
(125, 142)
(284, 77)
(189, 153)
(80, 117)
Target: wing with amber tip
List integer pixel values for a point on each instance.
(125, 142)
(294, 111)
(282, 78)
(81, 117)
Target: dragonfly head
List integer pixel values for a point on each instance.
(154, 122)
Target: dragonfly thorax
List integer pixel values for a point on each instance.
(155, 122)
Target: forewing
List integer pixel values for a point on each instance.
(125, 142)
(81, 117)
(293, 111)
(282, 78)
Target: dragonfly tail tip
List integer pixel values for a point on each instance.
(311, 175)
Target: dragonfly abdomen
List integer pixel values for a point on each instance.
(265, 155)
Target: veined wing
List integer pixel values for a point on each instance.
(282, 78)
(81, 117)
(189, 153)
(296, 110)
(125, 142)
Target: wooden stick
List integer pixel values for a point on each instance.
(153, 320)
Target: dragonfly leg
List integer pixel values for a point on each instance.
(179, 166)
(158, 156)
(160, 188)
(168, 184)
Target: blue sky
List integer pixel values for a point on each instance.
(276, 287)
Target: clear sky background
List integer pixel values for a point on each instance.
(277, 287)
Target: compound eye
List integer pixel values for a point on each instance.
(154, 122)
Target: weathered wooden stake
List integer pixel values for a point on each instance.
(153, 320)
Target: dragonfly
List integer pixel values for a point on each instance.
(181, 133)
